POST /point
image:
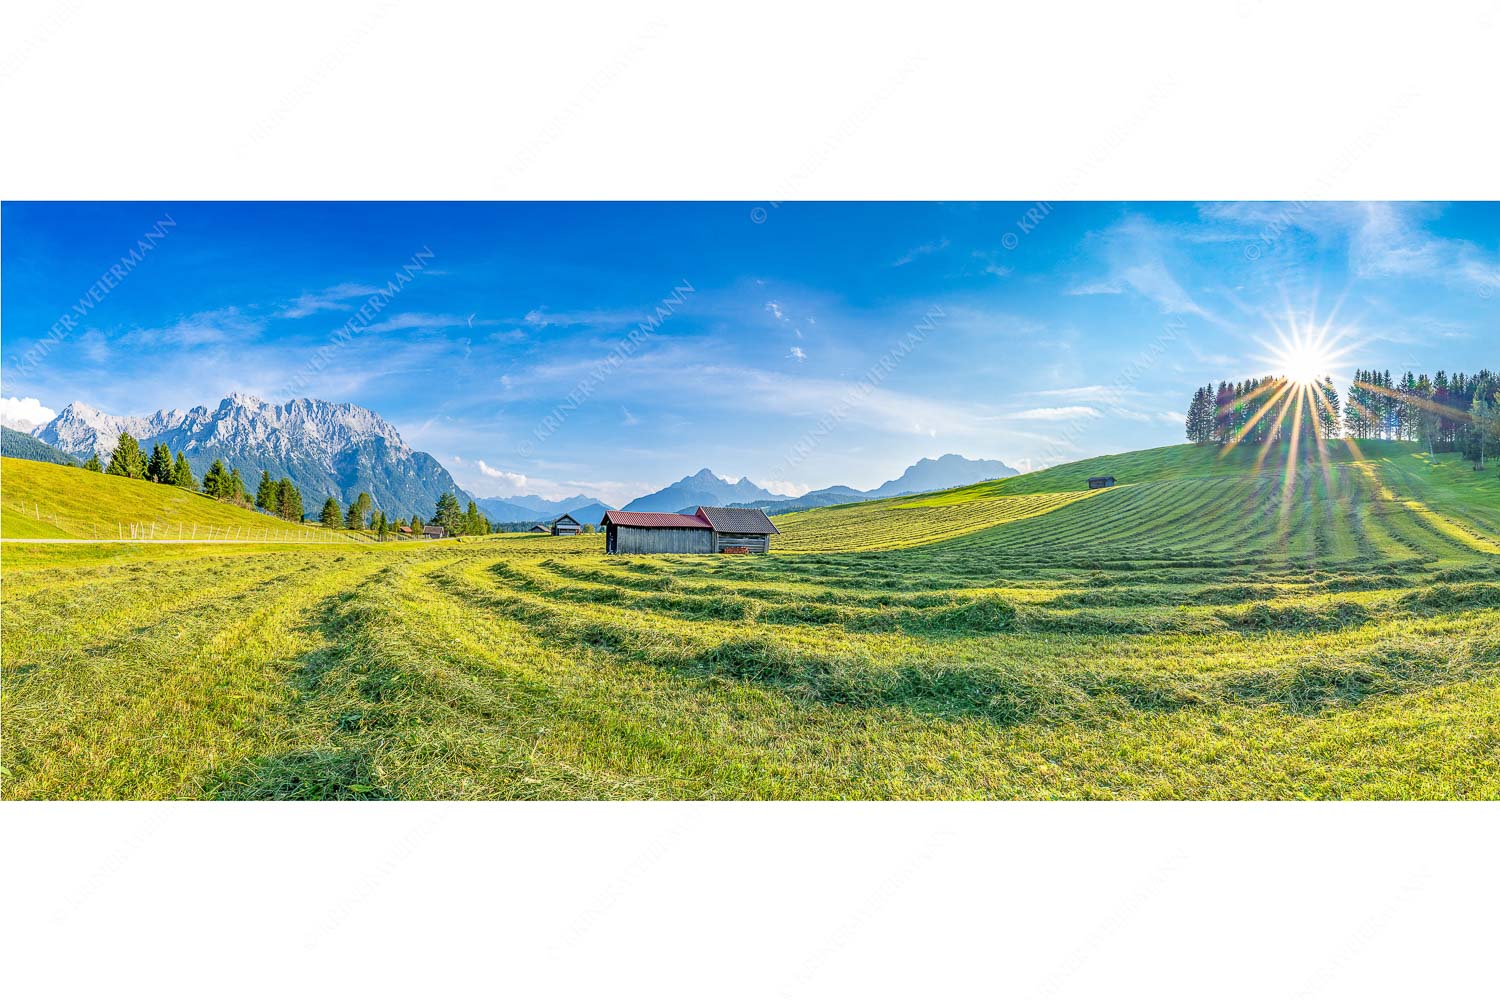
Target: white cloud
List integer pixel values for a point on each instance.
(1092, 393)
(515, 480)
(216, 326)
(24, 413)
(334, 297)
(797, 353)
(786, 487)
(991, 264)
(920, 251)
(420, 321)
(95, 347)
(541, 318)
(1134, 251)
(1390, 241)
(1057, 413)
(774, 308)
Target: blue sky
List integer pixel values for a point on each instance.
(803, 345)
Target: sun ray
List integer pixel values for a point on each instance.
(1284, 388)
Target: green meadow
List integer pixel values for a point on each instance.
(1247, 626)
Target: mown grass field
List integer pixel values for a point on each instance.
(1209, 628)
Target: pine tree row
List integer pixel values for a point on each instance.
(1258, 410)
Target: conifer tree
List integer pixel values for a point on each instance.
(474, 522)
(1484, 416)
(331, 517)
(212, 477)
(448, 514)
(237, 491)
(93, 463)
(159, 468)
(127, 459)
(355, 519)
(1330, 409)
(265, 493)
(288, 500)
(182, 473)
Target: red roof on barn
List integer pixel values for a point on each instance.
(650, 519)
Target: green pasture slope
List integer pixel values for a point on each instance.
(1209, 628)
(41, 500)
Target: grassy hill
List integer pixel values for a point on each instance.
(1209, 628)
(39, 500)
(1375, 497)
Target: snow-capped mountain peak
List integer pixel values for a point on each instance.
(336, 449)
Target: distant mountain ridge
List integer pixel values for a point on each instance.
(942, 473)
(533, 508)
(702, 489)
(924, 476)
(327, 449)
(705, 489)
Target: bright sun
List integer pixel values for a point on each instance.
(1304, 362)
(1307, 352)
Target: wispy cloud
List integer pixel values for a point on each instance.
(1056, 413)
(1134, 252)
(216, 326)
(423, 321)
(334, 297)
(798, 354)
(541, 317)
(991, 264)
(1080, 392)
(1391, 240)
(920, 251)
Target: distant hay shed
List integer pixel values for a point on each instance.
(567, 525)
(539, 529)
(1101, 482)
(742, 530)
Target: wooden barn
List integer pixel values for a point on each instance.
(434, 531)
(539, 529)
(1101, 482)
(706, 530)
(567, 525)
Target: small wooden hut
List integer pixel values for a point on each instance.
(706, 530)
(567, 525)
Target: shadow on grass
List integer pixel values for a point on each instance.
(346, 688)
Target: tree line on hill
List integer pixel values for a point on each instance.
(1447, 412)
(1252, 411)
(281, 498)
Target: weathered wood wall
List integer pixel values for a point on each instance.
(755, 543)
(639, 541)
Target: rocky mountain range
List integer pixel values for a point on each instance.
(705, 489)
(327, 449)
(342, 450)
